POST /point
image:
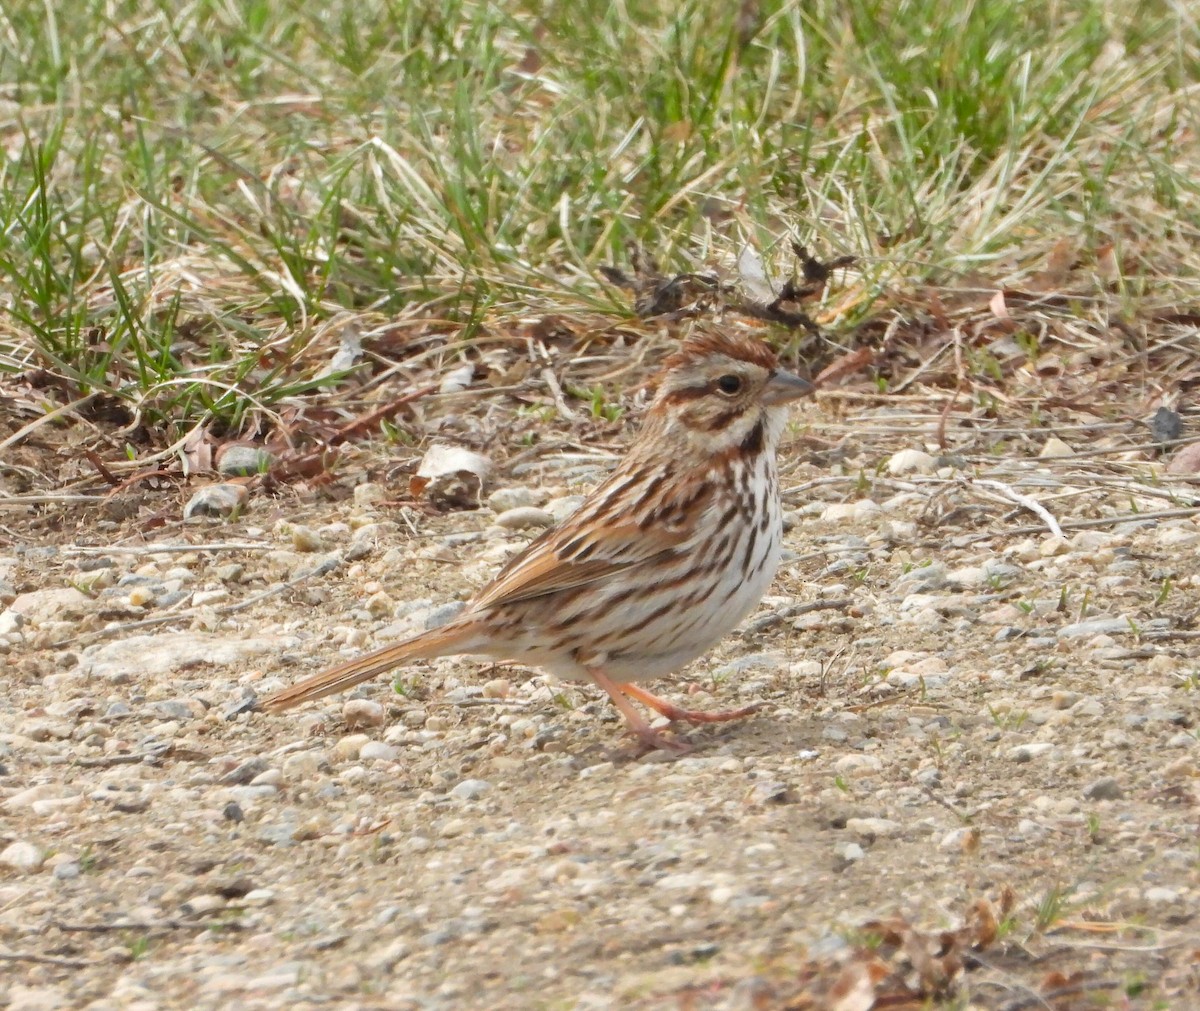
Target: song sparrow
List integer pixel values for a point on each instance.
(660, 561)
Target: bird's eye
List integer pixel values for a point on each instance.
(729, 384)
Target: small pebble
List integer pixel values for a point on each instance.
(850, 852)
(23, 857)
(216, 500)
(911, 461)
(503, 500)
(561, 508)
(880, 828)
(1028, 752)
(306, 539)
(243, 461)
(1106, 788)
(350, 747)
(1055, 449)
(453, 827)
(299, 766)
(141, 596)
(379, 751)
(370, 494)
(359, 713)
(523, 517)
(471, 789)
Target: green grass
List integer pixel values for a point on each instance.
(196, 199)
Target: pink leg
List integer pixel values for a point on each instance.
(674, 713)
(637, 725)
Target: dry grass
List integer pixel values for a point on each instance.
(202, 206)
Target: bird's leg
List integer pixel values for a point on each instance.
(673, 712)
(642, 730)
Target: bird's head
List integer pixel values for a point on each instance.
(719, 392)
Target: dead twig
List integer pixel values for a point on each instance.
(1091, 524)
(49, 416)
(145, 549)
(23, 956)
(110, 760)
(1071, 989)
(23, 501)
(368, 421)
(1026, 501)
(794, 611)
(141, 925)
(101, 468)
(560, 401)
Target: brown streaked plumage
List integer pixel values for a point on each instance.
(660, 562)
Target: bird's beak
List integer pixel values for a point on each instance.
(783, 387)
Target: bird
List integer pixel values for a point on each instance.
(661, 561)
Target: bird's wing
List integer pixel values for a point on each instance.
(572, 556)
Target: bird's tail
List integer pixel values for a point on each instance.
(436, 642)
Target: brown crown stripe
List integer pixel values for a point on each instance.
(742, 349)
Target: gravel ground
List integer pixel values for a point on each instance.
(962, 711)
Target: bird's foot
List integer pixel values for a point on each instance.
(677, 714)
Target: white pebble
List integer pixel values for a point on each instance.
(306, 539)
(369, 494)
(911, 461)
(140, 596)
(380, 605)
(879, 828)
(561, 508)
(300, 766)
(259, 897)
(452, 828)
(849, 852)
(1028, 752)
(497, 688)
(524, 516)
(378, 751)
(471, 789)
(1055, 449)
(350, 746)
(23, 856)
(504, 499)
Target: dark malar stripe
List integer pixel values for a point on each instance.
(753, 443)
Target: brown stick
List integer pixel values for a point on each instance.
(368, 421)
(94, 459)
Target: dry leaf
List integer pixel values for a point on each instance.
(348, 352)
(854, 989)
(1106, 263)
(677, 132)
(753, 275)
(937, 309)
(844, 366)
(457, 379)
(1059, 261)
(451, 477)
